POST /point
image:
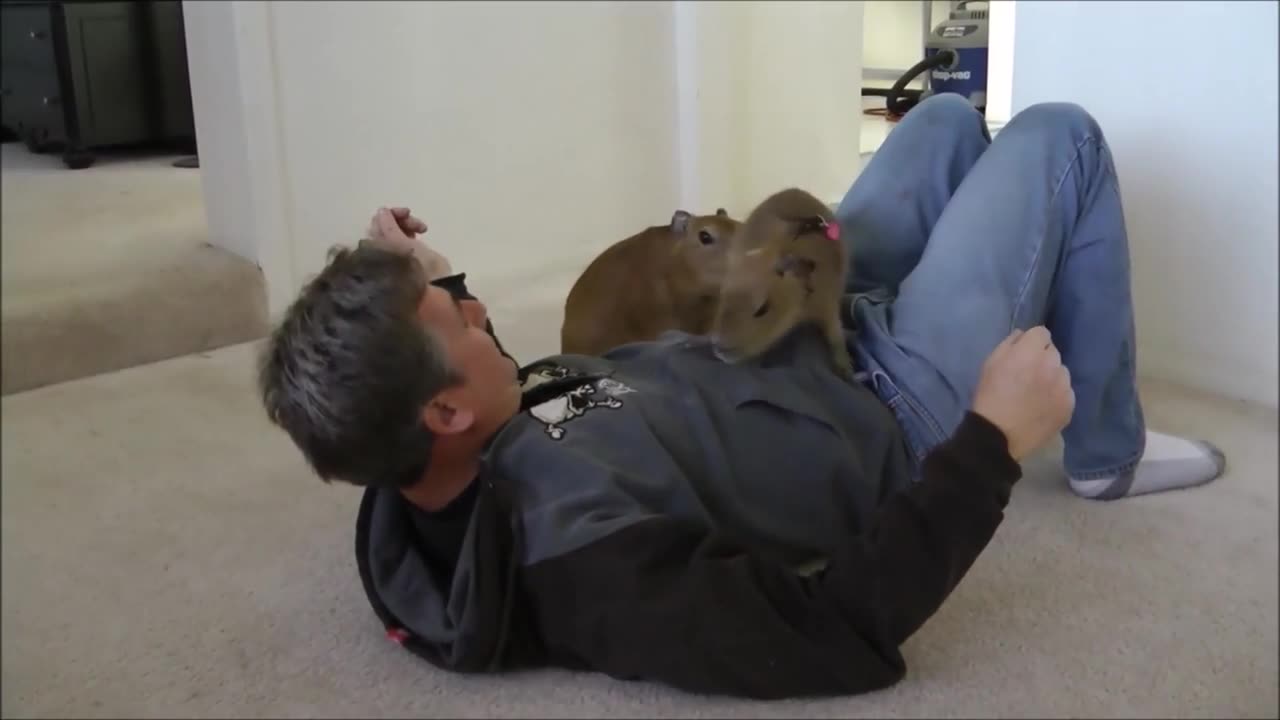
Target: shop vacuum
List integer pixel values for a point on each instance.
(955, 59)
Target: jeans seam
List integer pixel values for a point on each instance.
(1035, 259)
(1107, 172)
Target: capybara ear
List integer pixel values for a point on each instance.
(721, 212)
(680, 222)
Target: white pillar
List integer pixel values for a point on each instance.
(1000, 25)
(231, 63)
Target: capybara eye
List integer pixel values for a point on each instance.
(813, 224)
(706, 238)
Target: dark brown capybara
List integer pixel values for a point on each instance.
(786, 267)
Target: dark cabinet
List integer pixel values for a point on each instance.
(79, 76)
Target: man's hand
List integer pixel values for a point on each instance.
(397, 229)
(1025, 391)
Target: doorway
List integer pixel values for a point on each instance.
(106, 259)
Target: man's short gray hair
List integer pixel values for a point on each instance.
(351, 366)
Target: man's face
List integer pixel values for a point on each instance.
(490, 387)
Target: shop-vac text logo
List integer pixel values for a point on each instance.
(953, 75)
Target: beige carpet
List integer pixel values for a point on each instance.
(165, 553)
(108, 267)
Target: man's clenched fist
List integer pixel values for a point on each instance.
(396, 228)
(1025, 391)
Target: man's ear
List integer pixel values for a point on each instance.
(680, 222)
(444, 416)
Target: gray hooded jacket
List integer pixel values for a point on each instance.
(659, 514)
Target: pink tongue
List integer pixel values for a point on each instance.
(833, 232)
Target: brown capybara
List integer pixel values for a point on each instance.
(667, 277)
(787, 267)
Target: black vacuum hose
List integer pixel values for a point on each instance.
(898, 99)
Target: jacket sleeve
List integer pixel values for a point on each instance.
(666, 601)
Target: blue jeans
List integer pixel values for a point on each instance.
(956, 240)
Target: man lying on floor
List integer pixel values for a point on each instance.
(765, 529)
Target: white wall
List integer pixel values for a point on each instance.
(539, 131)
(803, 113)
(769, 97)
(521, 128)
(1186, 93)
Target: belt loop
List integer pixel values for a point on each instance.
(883, 386)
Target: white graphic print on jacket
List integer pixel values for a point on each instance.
(558, 411)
